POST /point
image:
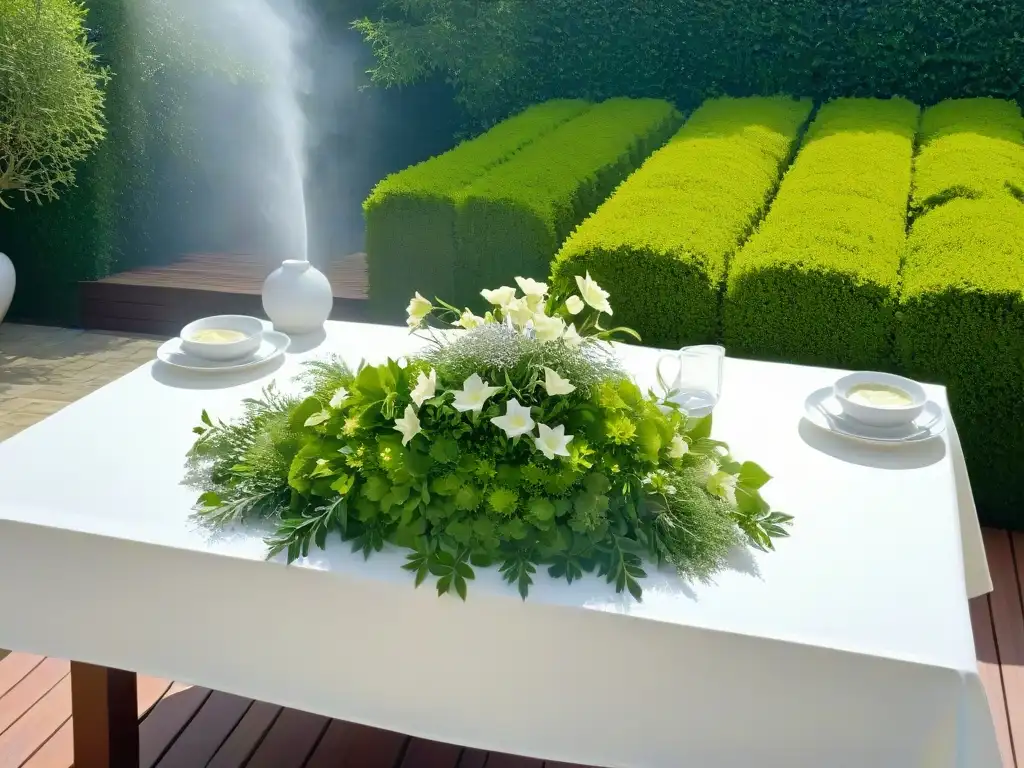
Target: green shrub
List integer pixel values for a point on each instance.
(969, 148)
(500, 55)
(817, 283)
(410, 215)
(662, 242)
(512, 220)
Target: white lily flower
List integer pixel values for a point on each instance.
(723, 485)
(418, 309)
(678, 448)
(516, 421)
(473, 395)
(574, 304)
(593, 294)
(534, 291)
(339, 398)
(571, 336)
(499, 297)
(548, 328)
(408, 425)
(520, 312)
(552, 442)
(425, 388)
(469, 321)
(555, 384)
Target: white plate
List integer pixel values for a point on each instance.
(272, 346)
(823, 410)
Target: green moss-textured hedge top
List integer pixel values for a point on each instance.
(817, 283)
(698, 196)
(444, 175)
(970, 148)
(553, 172)
(967, 245)
(841, 207)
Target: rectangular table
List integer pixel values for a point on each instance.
(849, 646)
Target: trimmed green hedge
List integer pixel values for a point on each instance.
(817, 283)
(962, 301)
(969, 148)
(662, 242)
(513, 220)
(410, 215)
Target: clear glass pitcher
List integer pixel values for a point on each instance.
(696, 383)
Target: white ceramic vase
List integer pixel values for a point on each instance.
(297, 298)
(6, 285)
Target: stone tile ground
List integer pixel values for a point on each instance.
(43, 369)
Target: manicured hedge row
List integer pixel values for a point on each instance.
(969, 148)
(662, 242)
(512, 220)
(962, 300)
(817, 283)
(410, 215)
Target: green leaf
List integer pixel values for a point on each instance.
(206, 418)
(541, 509)
(305, 409)
(460, 586)
(316, 419)
(752, 475)
(343, 484)
(444, 450)
(699, 428)
(444, 584)
(209, 500)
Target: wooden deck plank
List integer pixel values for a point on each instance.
(333, 749)
(58, 752)
(497, 760)
(473, 758)
(290, 740)
(161, 727)
(991, 675)
(33, 729)
(15, 668)
(242, 742)
(1008, 621)
(34, 686)
(430, 754)
(210, 728)
(374, 748)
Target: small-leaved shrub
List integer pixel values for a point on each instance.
(961, 317)
(410, 215)
(662, 242)
(969, 148)
(512, 220)
(817, 283)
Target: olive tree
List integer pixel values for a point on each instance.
(51, 97)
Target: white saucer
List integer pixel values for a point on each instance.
(823, 410)
(272, 346)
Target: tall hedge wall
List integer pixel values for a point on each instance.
(513, 220)
(962, 299)
(502, 55)
(410, 215)
(662, 242)
(817, 283)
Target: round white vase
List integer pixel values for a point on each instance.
(297, 298)
(6, 285)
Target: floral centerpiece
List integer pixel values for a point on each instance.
(514, 439)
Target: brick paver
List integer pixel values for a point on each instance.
(43, 369)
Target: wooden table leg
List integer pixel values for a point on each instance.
(104, 705)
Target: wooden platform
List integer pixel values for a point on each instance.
(160, 300)
(186, 727)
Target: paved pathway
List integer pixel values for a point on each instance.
(43, 369)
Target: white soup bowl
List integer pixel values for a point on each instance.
(880, 415)
(219, 351)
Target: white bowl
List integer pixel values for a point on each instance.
(880, 415)
(219, 351)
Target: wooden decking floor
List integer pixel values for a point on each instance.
(160, 300)
(184, 726)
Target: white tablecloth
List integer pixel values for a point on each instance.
(849, 646)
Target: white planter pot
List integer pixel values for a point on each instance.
(6, 285)
(297, 298)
